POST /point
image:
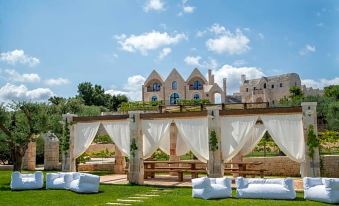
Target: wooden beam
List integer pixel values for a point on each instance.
(172, 115)
(100, 118)
(273, 110)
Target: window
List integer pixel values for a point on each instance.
(254, 88)
(174, 85)
(196, 96)
(174, 98)
(272, 86)
(264, 85)
(281, 85)
(156, 87)
(197, 85)
(154, 99)
(246, 89)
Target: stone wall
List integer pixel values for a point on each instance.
(100, 147)
(330, 165)
(96, 167)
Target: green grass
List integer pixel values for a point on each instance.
(109, 193)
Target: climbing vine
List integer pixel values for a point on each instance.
(65, 137)
(133, 147)
(312, 141)
(213, 141)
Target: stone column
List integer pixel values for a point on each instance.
(68, 160)
(136, 162)
(173, 146)
(29, 159)
(51, 152)
(311, 168)
(215, 164)
(120, 162)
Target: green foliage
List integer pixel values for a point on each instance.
(140, 105)
(213, 141)
(160, 155)
(133, 147)
(101, 154)
(192, 102)
(103, 139)
(95, 95)
(65, 138)
(332, 91)
(295, 92)
(83, 158)
(312, 141)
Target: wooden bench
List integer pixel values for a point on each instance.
(180, 171)
(252, 172)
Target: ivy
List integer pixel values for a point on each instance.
(134, 147)
(312, 141)
(213, 141)
(65, 137)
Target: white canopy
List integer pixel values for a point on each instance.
(119, 133)
(84, 134)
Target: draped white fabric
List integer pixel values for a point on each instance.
(155, 132)
(287, 132)
(194, 132)
(84, 134)
(119, 133)
(235, 132)
(254, 137)
(181, 147)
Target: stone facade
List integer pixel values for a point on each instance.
(330, 166)
(271, 89)
(51, 152)
(29, 159)
(175, 87)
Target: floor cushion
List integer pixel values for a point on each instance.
(27, 181)
(211, 188)
(321, 189)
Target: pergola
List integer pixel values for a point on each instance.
(237, 131)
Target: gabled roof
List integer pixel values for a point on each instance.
(196, 73)
(154, 75)
(174, 72)
(215, 87)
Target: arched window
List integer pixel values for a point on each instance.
(156, 86)
(264, 85)
(174, 85)
(196, 96)
(174, 98)
(197, 85)
(154, 99)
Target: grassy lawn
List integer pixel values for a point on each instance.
(109, 193)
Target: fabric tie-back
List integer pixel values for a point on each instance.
(255, 135)
(235, 132)
(119, 133)
(84, 134)
(155, 133)
(287, 132)
(194, 132)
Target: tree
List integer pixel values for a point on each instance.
(20, 126)
(295, 92)
(332, 91)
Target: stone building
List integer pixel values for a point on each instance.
(271, 89)
(175, 87)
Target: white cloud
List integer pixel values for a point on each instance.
(15, 76)
(307, 49)
(132, 89)
(226, 41)
(193, 60)
(164, 52)
(148, 41)
(57, 81)
(188, 9)
(154, 5)
(233, 75)
(320, 83)
(18, 56)
(10, 92)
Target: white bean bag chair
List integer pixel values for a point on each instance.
(321, 189)
(60, 180)
(85, 183)
(27, 181)
(211, 188)
(265, 188)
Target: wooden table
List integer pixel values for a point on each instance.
(243, 170)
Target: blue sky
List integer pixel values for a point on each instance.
(49, 47)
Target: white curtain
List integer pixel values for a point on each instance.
(287, 132)
(181, 147)
(155, 132)
(235, 132)
(119, 133)
(84, 134)
(255, 135)
(194, 132)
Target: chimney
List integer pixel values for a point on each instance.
(209, 76)
(224, 85)
(243, 78)
(212, 79)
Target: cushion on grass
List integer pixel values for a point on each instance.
(60, 180)
(211, 188)
(27, 181)
(265, 188)
(85, 183)
(321, 189)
